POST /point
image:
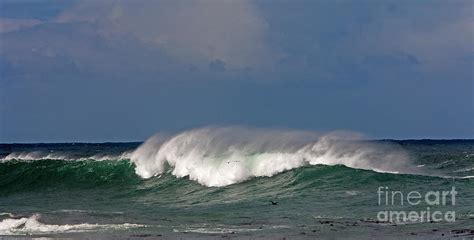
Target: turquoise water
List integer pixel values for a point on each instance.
(94, 190)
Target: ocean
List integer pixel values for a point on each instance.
(239, 183)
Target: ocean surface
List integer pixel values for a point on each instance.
(221, 182)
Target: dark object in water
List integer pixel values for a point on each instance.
(463, 231)
(274, 203)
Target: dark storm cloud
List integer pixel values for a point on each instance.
(121, 70)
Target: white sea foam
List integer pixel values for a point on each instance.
(107, 157)
(226, 155)
(41, 155)
(32, 225)
(217, 230)
(89, 211)
(352, 193)
(469, 169)
(7, 214)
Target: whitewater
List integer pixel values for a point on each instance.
(220, 156)
(227, 155)
(221, 181)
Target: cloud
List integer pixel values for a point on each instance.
(321, 42)
(392, 68)
(195, 32)
(444, 44)
(436, 37)
(325, 35)
(13, 24)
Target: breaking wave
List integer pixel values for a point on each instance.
(220, 156)
(32, 225)
(41, 155)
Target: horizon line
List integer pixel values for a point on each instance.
(118, 142)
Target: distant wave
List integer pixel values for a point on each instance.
(220, 156)
(41, 155)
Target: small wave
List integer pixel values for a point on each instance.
(451, 177)
(216, 230)
(469, 169)
(41, 155)
(32, 225)
(352, 193)
(445, 164)
(226, 155)
(7, 214)
(101, 157)
(88, 211)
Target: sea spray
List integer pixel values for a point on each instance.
(220, 156)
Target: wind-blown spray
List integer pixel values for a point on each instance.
(220, 156)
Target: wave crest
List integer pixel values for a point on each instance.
(220, 156)
(41, 155)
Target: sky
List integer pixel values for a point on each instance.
(97, 71)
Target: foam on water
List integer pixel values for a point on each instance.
(41, 155)
(32, 225)
(469, 169)
(217, 230)
(226, 155)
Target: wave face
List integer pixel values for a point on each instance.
(221, 156)
(67, 151)
(37, 175)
